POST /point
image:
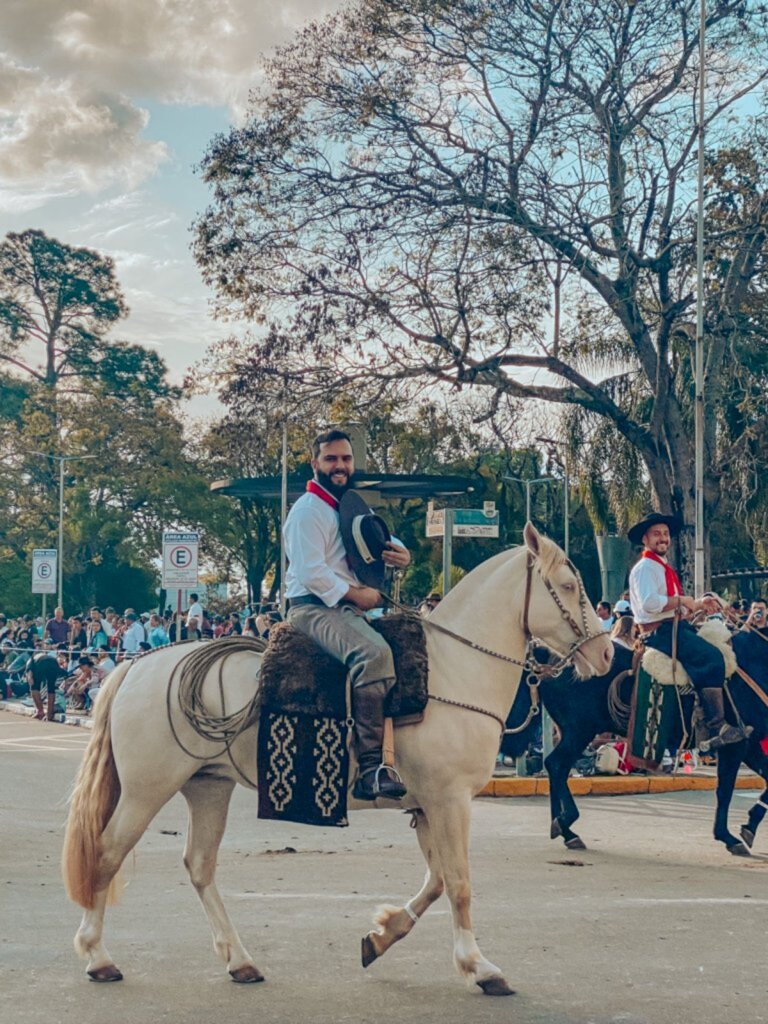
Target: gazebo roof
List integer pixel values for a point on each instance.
(388, 485)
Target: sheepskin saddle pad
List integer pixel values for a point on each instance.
(297, 675)
(659, 666)
(303, 750)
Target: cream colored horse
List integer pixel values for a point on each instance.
(133, 765)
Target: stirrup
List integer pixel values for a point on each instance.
(392, 789)
(718, 741)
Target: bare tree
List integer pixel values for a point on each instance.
(418, 175)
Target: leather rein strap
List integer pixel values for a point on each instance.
(530, 665)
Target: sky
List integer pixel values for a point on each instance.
(106, 106)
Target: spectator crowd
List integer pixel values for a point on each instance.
(69, 658)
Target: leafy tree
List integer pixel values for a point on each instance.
(57, 306)
(418, 176)
(55, 298)
(136, 481)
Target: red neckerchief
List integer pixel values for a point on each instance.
(320, 492)
(674, 586)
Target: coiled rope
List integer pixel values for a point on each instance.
(193, 672)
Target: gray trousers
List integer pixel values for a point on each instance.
(345, 634)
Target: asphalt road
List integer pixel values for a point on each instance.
(655, 924)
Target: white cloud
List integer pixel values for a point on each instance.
(57, 137)
(176, 51)
(72, 80)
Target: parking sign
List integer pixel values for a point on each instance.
(44, 570)
(180, 560)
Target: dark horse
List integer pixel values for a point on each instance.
(582, 709)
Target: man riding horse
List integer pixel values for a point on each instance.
(327, 601)
(661, 610)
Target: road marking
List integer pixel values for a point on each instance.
(33, 748)
(77, 738)
(709, 900)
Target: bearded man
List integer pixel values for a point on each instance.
(657, 599)
(327, 602)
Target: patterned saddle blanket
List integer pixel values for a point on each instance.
(654, 722)
(303, 749)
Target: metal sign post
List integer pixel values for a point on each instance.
(447, 548)
(460, 522)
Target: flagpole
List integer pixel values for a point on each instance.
(698, 562)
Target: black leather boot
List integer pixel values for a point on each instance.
(373, 778)
(721, 733)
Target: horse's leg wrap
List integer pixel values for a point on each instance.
(394, 923)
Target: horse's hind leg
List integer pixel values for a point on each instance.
(90, 944)
(758, 762)
(123, 831)
(728, 761)
(394, 923)
(208, 801)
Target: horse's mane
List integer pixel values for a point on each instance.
(550, 557)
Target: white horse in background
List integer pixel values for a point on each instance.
(134, 762)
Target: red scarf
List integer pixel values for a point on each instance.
(320, 492)
(674, 586)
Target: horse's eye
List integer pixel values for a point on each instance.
(569, 587)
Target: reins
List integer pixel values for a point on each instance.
(535, 669)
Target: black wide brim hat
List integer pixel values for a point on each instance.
(365, 537)
(640, 529)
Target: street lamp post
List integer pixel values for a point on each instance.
(60, 555)
(528, 485)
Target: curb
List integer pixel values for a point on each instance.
(613, 785)
(17, 708)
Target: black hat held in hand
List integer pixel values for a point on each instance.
(365, 537)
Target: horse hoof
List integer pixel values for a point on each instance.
(108, 973)
(496, 986)
(368, 952)
(555, 831)
(247, 975)
(576, 844)
(747, 835)
(739, 850)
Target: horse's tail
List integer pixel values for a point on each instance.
(93, 801)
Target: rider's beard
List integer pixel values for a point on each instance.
(337, 490)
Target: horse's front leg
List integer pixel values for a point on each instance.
(563, 807)
(449, 825)
(208, 801)
(394, 923)
(728, 760)
(758, 762)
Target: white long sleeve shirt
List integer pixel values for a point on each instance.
(132, 637)
(648, 592)
(317, 561)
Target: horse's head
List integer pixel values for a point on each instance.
(559, 611)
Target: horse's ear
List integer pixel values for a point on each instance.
(532, 539)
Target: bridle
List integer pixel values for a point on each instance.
(535, 670)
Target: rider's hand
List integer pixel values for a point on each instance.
(364, 598)
(396, 555)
